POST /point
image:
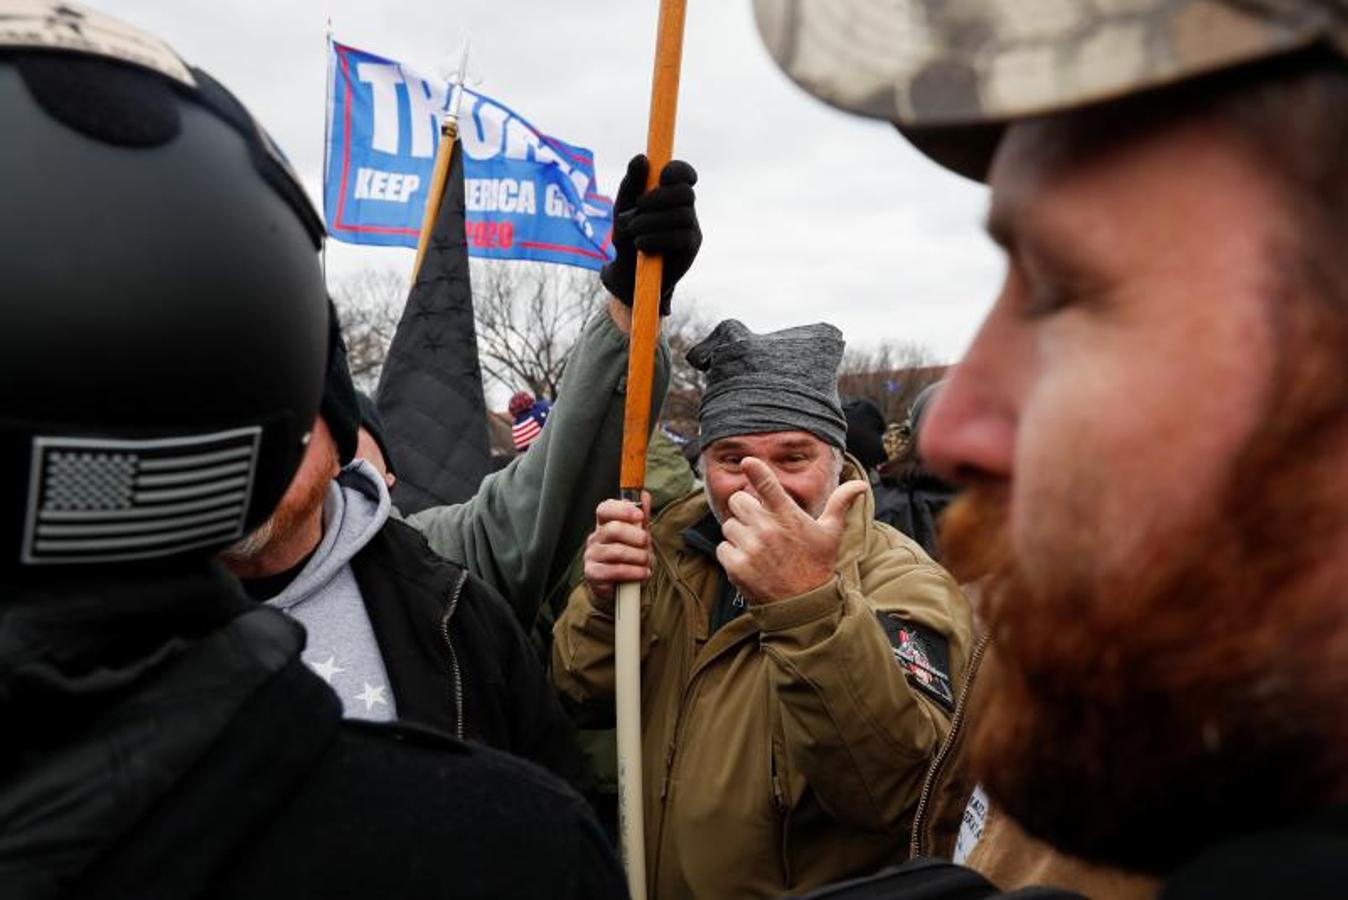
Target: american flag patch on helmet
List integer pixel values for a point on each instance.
(102, 500)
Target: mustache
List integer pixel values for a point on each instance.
(975, 533)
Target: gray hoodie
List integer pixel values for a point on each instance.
(325, 598)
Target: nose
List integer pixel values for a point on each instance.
(742, 483)
(969, 434)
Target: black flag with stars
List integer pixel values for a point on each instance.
(430, 392)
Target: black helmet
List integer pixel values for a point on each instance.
(163, 317)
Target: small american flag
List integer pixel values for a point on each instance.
(97, 500)
(525, 432)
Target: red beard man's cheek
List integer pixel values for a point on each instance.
(1134, 719)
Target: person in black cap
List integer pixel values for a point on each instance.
(162, 346)
(801, 658)
(865, 432)
(908, 495)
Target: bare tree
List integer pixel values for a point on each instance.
(370, 304)
(528, 318)
(890, 374)
(685, 326)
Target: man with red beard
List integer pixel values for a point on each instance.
(1151, 422)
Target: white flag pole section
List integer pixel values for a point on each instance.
(636, 433)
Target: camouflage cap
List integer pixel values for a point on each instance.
(948, 73)
(61, 26)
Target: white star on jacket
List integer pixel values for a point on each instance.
(371, 695)
(327, 669)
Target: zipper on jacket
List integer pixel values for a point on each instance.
(783, 818)
(778, 795)
(916, 846)
(453, 658)
(669, 765)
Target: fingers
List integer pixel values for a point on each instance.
(603, 576)
(678, 240)
(620, 533)
(735, 532)
(734, 560)
(664, 223)
(633, 183)
(618, 550)
(619, 539)
(618, 511)
(839, 502)
(672, 197)
(774, 497)
(744, 506)
(675, 187)
(676, 171)
(618, 554)
(661, 222)
(648, 223)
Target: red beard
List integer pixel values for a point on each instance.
(1134, 723)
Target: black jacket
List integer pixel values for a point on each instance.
(930, 879)
(456, 657)
(163, 739)
(912, 500)
(1307, 860)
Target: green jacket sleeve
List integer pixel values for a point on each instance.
(857, 729)
(526, 522)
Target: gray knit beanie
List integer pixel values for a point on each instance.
(783, 381)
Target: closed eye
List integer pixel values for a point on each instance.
(1048, 289)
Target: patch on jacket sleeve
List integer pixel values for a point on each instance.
(924, 656)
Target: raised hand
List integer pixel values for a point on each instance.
(773, 549)
(619, 548)
(661, 221)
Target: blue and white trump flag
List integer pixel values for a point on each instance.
(527, 195)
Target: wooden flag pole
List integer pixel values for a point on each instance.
(444, 153)
(636, 434)
(439, 176)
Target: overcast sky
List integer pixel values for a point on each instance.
(808, 213)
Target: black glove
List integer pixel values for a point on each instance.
(661, 221)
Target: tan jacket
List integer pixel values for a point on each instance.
(995, 844)
(787, 750)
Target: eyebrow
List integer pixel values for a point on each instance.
(1021, 230)
(730, 445)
